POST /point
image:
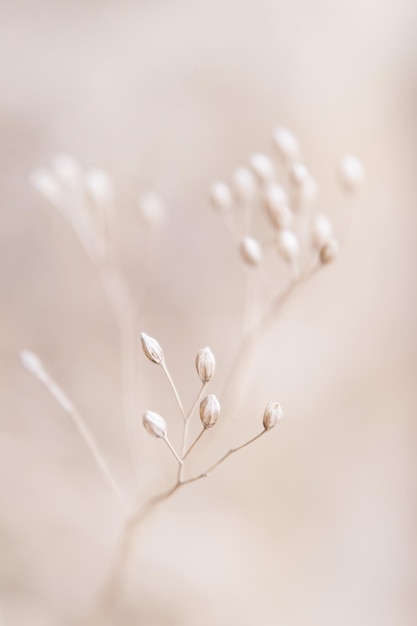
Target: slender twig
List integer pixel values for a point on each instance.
(186, 426)
(79, 422)
(171, 447)
(196, 440)
(174, 389)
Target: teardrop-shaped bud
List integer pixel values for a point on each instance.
(221, 197)
(209, 411)
(351, 172)
(205, 364)
(329, 252)
(288, 245)
(155, 424)
(272, 415)
(152, 349)
(322, 231)
(250, 251)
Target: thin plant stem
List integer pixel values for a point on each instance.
(171, 447)
(82, 428)
(196, 440)
(113, 586)
(186, 427)
(174, 389)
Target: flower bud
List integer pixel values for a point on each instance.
(250, 251)
(286, 144)
(154, 424)
(288, 246)
(205, 364)
(272, 415)
(351, 172)
(329, 252)
(262, 167)
(99, 186)
(152, 349)
(276, 206)
(221, 197)
(47, 185)
(209, 411)
(67, 169)
(244, 184)
(322, 231)
(32, 364)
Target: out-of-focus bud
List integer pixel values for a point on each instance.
(250, 251)
(272, 415)
(221, 197)
(47, 185)
(351, 172)
(322, 231)
(209, 411)
(288, 246)
(67, 169)
(329, 252)
(205, 364)
(151, 207)
(244, 184)
(154, 424)
(32, 364)
(276, 206)
(152, 349)
(262, 167)
(99, 186)
(286, 144)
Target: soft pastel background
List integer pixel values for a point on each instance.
(316, 524)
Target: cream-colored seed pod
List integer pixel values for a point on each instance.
(152, 349)
(244, 184)
(262, 167)
(322, 231)
(47, 185)
(209, 411)
(351, 172)
(250, 251)
(288, 245)
(155, 424)
(205, 364)
(273, 415)
(276, 206)
(67, 169)
(221, 197)
(329, 252)
(286, 144)
(99, 186)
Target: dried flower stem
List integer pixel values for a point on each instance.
(171, 447)
(111, 591)
(186, 426)
(196, 440)
(82, 428)
(174, 389)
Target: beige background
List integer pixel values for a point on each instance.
(315, 525)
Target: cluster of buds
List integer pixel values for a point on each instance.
(84, 198)
(209, 406)
(284, 189)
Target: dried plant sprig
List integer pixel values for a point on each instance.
(273, 415)
(34, 365)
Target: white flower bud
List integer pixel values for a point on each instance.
(209, 411)
(273, 415)
(351, 172)
(151, 207)
(152, 349)
(99, 186)
(286, 143)
(299, 174)
(276, 206)
(244, 184)
(262, 167)
(322, 231)
(329, 251)
(250, 251)
(47, 185)
(67, 169)
(205, 364)
(32, 364)
(221, 196)
(288, 246)
(154, 424)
